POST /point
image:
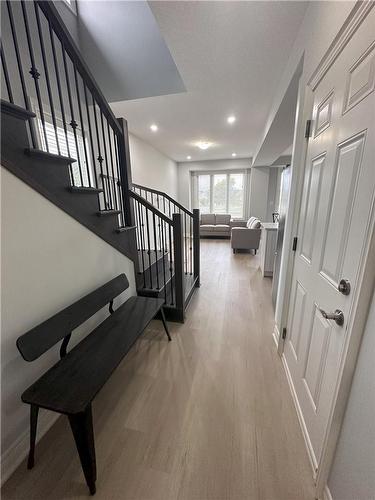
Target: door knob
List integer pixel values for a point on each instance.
(344, 287)
(337, 316)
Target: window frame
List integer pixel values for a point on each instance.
(227, 173)
(38, 130)
(71, 5)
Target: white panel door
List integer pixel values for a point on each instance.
(334, 226)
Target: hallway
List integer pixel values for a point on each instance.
(207, 417)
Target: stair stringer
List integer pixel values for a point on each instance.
(51, 178)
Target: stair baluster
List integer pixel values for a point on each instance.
(190, 232)
(76, 141)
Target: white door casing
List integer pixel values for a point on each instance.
(335, 225)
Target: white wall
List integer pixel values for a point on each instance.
(353, 471)
(48, 261)
(185, 169)
(258, 197)
(273, 192)
(152, 168)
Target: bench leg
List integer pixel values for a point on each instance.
(34, 410)
(83, 432)
(165, 324)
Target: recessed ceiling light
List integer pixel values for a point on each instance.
(203, 144)
(154, 127)
(234, 154)
(188, 157)
(231, 119)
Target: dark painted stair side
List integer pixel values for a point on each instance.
(124, 229)
(106, 213)
(13, 110)
(44, 156)
(84, 190)
(155, 278)
(49, 175)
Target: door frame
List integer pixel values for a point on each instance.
(366, 279)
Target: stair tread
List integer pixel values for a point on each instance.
(102, 213)
(44, 155)
(155, 290)
(51, 180)
(123, 229)
(84, 190)
(153, 275)
(165, 290)
(16, 111)
(146, 262)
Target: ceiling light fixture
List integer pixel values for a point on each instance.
(231, 119)
(154, 127)
(234, 154)
(188, 157)
(203, 144)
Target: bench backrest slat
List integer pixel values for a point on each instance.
(44, 336)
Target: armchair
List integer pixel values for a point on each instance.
(246, 238)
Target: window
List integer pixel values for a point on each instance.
(221, 193)
(71, 4)
(204, 193)
(67, 144)
(72, 153)
(236, 195)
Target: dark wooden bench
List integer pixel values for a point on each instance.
(73, 382)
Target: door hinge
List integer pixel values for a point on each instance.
(283, 335)
(308, 129)
(294, 247)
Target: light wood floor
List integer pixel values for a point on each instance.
(208, 416)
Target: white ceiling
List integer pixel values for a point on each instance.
(230, 56)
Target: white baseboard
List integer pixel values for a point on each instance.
(301, 420)
(16, 453)
(327, 494)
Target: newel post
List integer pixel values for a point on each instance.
(196, 245)
(178, 254)
(125, 173)
(126, 185)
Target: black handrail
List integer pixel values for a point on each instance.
(150, 207)
(185, 228)
(71, 48)
(165, 195)
(160, 250)
(43, 69)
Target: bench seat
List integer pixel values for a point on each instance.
(70, 386)
(72, 383)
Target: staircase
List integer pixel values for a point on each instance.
(59, 136)
(167, 236)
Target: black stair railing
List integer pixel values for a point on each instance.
(159, 243)
(190, 229)
(161, 249)
(42, 70)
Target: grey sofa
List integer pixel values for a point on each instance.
(246, 237)
(215, 225)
